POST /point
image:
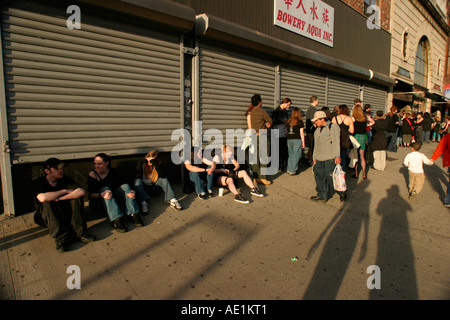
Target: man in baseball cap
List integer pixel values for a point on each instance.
(60, 205)
(326, 155)
(54, 163)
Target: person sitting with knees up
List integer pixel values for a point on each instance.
(149, 175)
(198, 166)
(228, 172)
(108, 191)
(60, 205)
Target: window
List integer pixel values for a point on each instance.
(421, 67)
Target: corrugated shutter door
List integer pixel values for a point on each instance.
(228, 80)
(341, 91)
(376, 97)
(73, 93)
(300, 84)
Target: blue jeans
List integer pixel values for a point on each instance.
(323, 174)
(295, 152)
(196, 178)
(142, 190)
(112, 206)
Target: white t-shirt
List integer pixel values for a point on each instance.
(415, 160)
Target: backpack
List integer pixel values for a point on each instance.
(345, 138)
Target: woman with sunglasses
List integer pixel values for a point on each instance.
(149, 175)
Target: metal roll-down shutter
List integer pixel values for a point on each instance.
(300, 84)
(375, 96)
(342, 91)
(108, 87)
(228, 80)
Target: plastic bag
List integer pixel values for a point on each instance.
(339, 179)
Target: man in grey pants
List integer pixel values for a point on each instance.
(326, 155)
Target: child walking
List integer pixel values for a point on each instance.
(414, 161)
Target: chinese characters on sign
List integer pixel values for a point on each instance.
(313, 19)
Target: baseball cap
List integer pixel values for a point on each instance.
(319, 115)
(53, 163)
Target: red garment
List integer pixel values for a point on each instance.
(443, 148)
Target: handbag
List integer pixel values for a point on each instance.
(339, 179)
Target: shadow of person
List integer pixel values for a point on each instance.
(395, 256)
(340, 245)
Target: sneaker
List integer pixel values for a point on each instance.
(144, 206)
(291, 173)
(86, 238)
(202, 196)
(447, 205)
(118, 226)
(137, 220)
(263, 181)
(256, 192)
(210, 193)
(412, 195)
(240, 198)
(174, 204)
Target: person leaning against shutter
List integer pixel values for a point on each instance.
(326, 155)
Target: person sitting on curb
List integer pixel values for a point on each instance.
(60, 205)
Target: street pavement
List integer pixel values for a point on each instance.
(378, 245)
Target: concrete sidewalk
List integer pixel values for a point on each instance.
(283, 246)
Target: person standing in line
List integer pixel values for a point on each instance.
(295, 140)
(414, 161)
(360, 134)
(309, 128)
(345, 123)
(408, 129)
(392, 129)
(260, 120)
(326, 155)
(419, 127)
(379, 141)
(60, 205)
(427, 126)
(279, 118)
(443, 148)
(108, 191)
(368, 114)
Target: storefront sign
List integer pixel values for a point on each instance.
(313, 19)
(447, 91)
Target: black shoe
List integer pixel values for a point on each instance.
(343, 196)
(137, 220)
(118, 225)
(210, 193)
(240, 198)
(256, 192)
(318, 199)
(202, 196)
(86, 238)
(61, 246)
